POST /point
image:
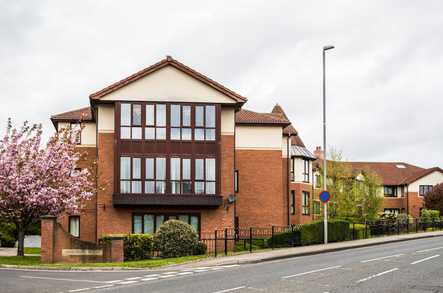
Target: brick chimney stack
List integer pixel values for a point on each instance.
(318, 153)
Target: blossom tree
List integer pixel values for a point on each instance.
(38, 180)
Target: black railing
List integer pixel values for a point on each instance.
(255, 238)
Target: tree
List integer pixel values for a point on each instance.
(355, 193)
(37, 181)
(434, 198)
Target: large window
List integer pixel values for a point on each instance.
(155, 122)
(292, 203)
(155, 174)
(205, 176)
(149, 175)
(74, 226)
(292, 168)
(423, 189)
(130, 175)
(390, 191)
(150, 223)
(131, 121)
(305, 203)
(183, 122)
(306, 170)
(316, 207)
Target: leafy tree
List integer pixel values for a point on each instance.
(434, 198)
(36, 181)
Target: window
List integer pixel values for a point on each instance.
(130, 121)
(204, 122)
(130, 175)
(392, 211)
(205, 176)
(76, 127)
(390, 191)
(423, 189)
(292, 203)
(150, 223)
(181, 122)
(317, 181)
(155, 173)
(236, 181)
(316, 207)
(306, 170)
(181, 176)
(155, 122)
(292, 168)
(74, 226)
(305, 203)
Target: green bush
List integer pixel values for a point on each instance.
(359, 231)
(200, 249)
(428, 216)
(8, 234)
(286, 239)
(175, 238)
(312, 233)
(138, 246)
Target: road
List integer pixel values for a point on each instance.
(410, 266)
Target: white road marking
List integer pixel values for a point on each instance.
(127, 282)
(424, 259)
(230, 290)
(169, 273)
(104, 286)
(151, 275)
(80, 290)
(166, 276)
(381, 258)
(310, 272)
(149, 279)
(60, 279)
(114, 281)
(430, 249)
(377, 275)
(200, 271)
(185, 273)
(230, 266)
(133, 278)
(202, 268)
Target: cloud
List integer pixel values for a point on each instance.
(383, 79)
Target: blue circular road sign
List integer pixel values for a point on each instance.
(325, 196)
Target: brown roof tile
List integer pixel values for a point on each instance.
(180, 66)
(251, 117)
(83, 114)
(289, 130)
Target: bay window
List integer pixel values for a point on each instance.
(155, 122)
(205, 122)
(181, 122)
(130, 175)
(130, 121)
(150, 223)
(155, 173)
(205, 176)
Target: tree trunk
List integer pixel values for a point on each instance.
(21, 240)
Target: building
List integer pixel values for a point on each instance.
(170, 143)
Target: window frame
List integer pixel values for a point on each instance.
(424, 189)
(306, 170)
(394, 191)
(72, 126)
(305, 204)
(292, 169)
(292, 202)
(131, 178)
(69, 225)
(166, 216)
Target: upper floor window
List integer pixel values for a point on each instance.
(181, 175)
(390, 191)
(155, 121)
(130, 175)
(155, 175)
(205, 176)
(131, 121)
(167, 121)
(292, 169)
(306, 170)
(78, 129)
(423, 189)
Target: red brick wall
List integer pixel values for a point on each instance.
(416, 202)
(394, 203)
(260, 201)
(299, 218)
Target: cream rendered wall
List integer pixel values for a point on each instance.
(258, 137)
(284, 147)
(105, 117)
(434, 178)
(299, 168)
(227, 120)
(168, 84)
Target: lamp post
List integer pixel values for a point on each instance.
(325, 209)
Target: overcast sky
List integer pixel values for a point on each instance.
(384, 77)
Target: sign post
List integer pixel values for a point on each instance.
(325, 196)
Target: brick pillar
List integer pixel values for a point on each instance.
(47, 238)
(117, 251)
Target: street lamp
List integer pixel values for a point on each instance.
(325, 209)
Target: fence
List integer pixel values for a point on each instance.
(253, 238)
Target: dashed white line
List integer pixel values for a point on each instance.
(80, 290)
(151, 275)
(133, 278)
(424, 259)
(381, 258)
(377, 275)
(114, 281)
(149, 279)
(430, 249)
(230, 290)
(170, 273)
(185, 273)
(104, 286)
(61, 279)
(310, 272)
(127, 282)
(166, 276)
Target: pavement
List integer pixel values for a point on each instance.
(403, 266)
(12, 251)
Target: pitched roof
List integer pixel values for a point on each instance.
(165, 62)
(289, 130)
(422, 174)
(82, 114)
(255, 118)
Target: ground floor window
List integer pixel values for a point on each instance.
(150, 223)
(74, 226)
(305, 203)
(316, 207)
(392, 211)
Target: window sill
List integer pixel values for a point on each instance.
(201, 200)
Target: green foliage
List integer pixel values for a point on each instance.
(200, 249)
(176, 238)
(312, 233)
(287, 239)
(138, 246)
(359, 231)
(106, 240)
(428, 216)
(8, 234)
(243, 245)
(434, 199)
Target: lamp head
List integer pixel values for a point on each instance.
(328, 48)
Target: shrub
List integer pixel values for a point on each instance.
(286, 239)
(8, 234)
(312, 233)
(200, 249)
(175, 238)
(359, 231)
(138, 246)
(428, 216)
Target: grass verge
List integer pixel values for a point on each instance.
(148, 263)
(32, 250)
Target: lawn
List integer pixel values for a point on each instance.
(148, 263)
(32, 250)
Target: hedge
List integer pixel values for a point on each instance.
(138, 246)
(312, 233)
(286, 239)
(359, 231)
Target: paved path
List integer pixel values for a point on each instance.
(409, 266)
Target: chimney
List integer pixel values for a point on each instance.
(318, 153)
